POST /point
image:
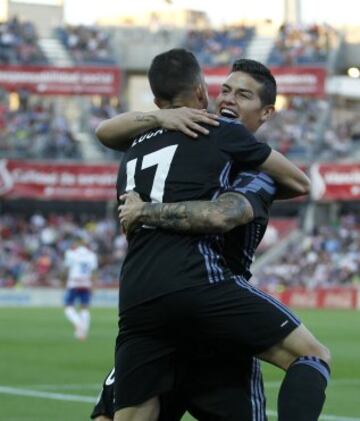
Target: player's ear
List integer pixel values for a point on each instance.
(201, 94)
(157, 102)
(161, 103)
(267, 113)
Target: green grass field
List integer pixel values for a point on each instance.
(46, 375)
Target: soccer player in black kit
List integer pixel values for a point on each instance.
(227, 391)
(198, 286)
(225, 386)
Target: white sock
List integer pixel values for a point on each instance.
(85, 319)
(73, 316)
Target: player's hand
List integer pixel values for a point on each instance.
(187, 120)
(130, 211)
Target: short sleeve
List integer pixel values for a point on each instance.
(241, 145)
(258, 188)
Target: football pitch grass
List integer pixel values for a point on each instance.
(45, 374)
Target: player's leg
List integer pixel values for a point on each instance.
(104, 407)
(307, 365)
(84, 313)
(297, 351)
(259, 323)
(147, 411)
(172, 404)
(144, 362)
(70, 311)
(300, 342)
(230, 390)
(72, 315)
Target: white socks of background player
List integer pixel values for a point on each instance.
(85, 320)
(73, 316)
(81, 321)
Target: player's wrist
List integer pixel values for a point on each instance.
(149, 213)
(142, 212)
(155, 118)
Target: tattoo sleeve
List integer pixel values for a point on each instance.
(220, 215)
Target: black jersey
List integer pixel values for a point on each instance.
(167, 166)
(241, 242)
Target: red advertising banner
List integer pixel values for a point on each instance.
(290, 80)
(300, 80)
(214, 77)
(57, 181)
(62, 80)
(336, 297)
(335, 181)
(77, 181)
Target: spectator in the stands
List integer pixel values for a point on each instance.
(298, 44)
(19, 43)
(87, 45)
(328, 257)
(295, 130)
(36, 130)
(32, 249)
(218, 47)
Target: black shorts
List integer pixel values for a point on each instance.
(153, 336)
(211, 391)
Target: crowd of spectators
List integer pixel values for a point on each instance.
(298, 44)
(102, 111)
(341, 138)
(35, 130)
(328, 257)
(19, 43)
(98, 113)
(277, 230)
(295, 131)
(87, 45)
(307, 129)
(32, 249)
(219, 47)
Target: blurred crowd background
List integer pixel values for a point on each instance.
(310, 243)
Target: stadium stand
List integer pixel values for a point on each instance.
(219, 47)
(277, 230)
(329, 256)
(19, 43)
(307, 130)
(96, 114)
(297, 44)
(87, 45)
(296, 130)
(35, 130)
(342, 134)
(32, 249)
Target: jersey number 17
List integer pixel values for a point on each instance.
(162, 159)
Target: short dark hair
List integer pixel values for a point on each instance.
(174, 72)
(261, 74)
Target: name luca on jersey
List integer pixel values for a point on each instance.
(146, 136)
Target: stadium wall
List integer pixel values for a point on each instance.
(330, 298)
(45, 297)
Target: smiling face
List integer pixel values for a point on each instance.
(240, 99)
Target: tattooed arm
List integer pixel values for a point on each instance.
(218, 216)
(117, 132)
